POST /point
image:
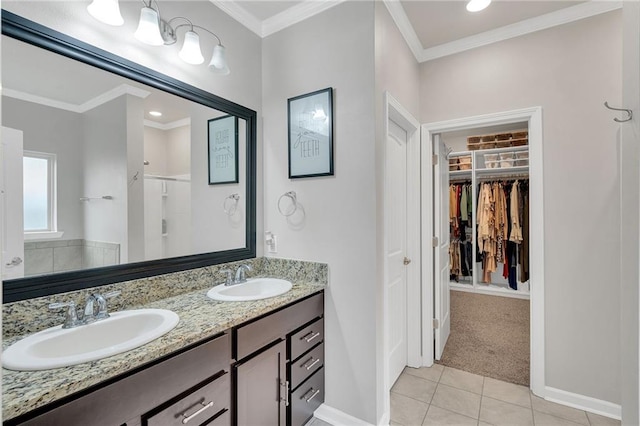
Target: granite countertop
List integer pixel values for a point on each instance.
(200, 317)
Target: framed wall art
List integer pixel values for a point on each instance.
(223, 150)
(310, 119)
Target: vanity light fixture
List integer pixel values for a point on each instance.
(155, 31)
(477, 5)
(106, 11)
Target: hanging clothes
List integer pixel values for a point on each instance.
(460, 254)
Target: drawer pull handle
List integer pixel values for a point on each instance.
(313, 395)
(310, 366)
(286, 393)
(309, 339)
(187, 419)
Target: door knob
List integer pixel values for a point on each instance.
(14, 262)
(406, 261)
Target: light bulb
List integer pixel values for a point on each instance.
(477, 5)
(106, 11)
(218, 62)
(148, 30)
(190, 52)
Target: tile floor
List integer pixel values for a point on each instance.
(441, 395)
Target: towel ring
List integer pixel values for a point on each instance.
(230, 208)
(294, 200)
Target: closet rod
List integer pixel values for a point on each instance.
(503, 177)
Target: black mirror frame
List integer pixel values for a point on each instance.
(33, 33)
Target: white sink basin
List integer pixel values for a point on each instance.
(253, 289)
(57, 347)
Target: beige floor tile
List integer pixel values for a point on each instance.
(507, 392)
(502, 413)
(457, 400)
(407, 411)
(462, 380)
(557, 410)
(432, 373)
(437, 416)
(481, 423)
(597, 420)
(414, 387)
(542, 419)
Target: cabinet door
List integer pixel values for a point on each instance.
(261, 389)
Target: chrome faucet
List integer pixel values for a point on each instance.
(229, 279)
(241, 276)
(71, 318)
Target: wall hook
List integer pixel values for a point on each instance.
(628, 111)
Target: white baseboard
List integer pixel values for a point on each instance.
(337, 418)
(581, 402)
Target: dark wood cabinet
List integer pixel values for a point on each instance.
(279, 369)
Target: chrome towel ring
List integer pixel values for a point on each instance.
(230, 204)
(294, 203)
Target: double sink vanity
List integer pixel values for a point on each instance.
(255, 358)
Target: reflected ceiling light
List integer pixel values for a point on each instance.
(155, 113)
(155, 31)
(106, 11)
(477, 5)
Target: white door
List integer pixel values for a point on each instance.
(396, 248)
(11, 194)
(441, 252)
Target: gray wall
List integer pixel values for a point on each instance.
(569, 71)
(629, 214)
(334, 48)
(59, 132)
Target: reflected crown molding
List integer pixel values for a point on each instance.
(123, 89)
(168, 126)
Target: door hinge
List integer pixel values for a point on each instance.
(434, 160)
(434, 242)
(436, 323)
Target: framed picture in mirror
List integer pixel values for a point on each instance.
(223, 150)
(311, 134)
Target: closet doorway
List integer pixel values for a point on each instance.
(468, 287)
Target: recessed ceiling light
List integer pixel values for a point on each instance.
(477, 5)
(155, 113)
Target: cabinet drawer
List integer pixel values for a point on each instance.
(306, 338)
(195, 408)
(306, 365)
(259, 333)
(307, 398)
(222, 420)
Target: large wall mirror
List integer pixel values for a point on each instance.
(97, 187)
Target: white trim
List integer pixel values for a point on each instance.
(582, 402)
(334, 416)
(534, 118)
(168, 126)
(240, 14)
(44, 235)
(401, 19)
(295, 14)
(489, 291)
(123, 89)
(426, 258)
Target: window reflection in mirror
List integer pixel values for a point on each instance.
(122, 185)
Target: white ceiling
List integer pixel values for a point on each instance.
(431, 28)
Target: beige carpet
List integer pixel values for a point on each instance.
(489, 336)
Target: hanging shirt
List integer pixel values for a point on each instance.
(516, 230)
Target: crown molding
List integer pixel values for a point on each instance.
(296, 14)
(123, 89)
(168, 126)
(238, 13)
(404, 25)
(543, 22)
